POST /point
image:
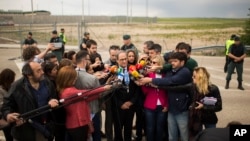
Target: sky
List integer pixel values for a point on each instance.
(156, 8)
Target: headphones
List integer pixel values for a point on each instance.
(26, 70)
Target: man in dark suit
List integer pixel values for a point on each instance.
(123, 102)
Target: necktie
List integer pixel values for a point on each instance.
(126, 79)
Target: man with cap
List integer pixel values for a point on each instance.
(229, 42)
(84, 41)
(236, 54)
(29, 41)
(127, 44)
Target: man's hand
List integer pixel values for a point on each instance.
(153, 68)
(165, 109)
(53, 103)
(14, 117)
(152, 85)
(137, 82)
(104, 75)
(96, 64)
(126, 105)
(111, 78)
(145, 80)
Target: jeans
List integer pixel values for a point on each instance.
(178, 123)
(209, 126)
(155, 121)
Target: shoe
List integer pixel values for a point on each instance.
(103, 135)
(227, 85)
(241, 88)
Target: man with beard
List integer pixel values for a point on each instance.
(113, 50)
(88, 81)
(28, 93)
(92, 50)
(85, 39)
(29, 41)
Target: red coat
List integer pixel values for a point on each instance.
(78, 114)
(152, 94)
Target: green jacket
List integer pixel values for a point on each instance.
(227, 46)
(63, 37)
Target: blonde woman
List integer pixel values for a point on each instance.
(77, 114)
(155, 105)
(206, 102)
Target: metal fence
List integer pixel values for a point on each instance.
(41, 32)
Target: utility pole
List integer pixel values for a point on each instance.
(82, 10)
(82, 28)
(131, 6)
(89, 7)
(147, 11)
(127, 13)
(62, 7)
(32, 12)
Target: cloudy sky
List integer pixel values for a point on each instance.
(159, 8)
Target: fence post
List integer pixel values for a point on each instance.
(79, 28)
(20, 36)
(55, 26)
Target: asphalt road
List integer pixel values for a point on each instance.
(236, 103)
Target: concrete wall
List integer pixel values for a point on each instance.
(46, 19)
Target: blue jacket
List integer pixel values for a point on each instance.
(179, 100)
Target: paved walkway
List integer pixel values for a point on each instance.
(236, 103)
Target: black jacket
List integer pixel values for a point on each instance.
(57, 40)
(207, 113)
(121, 95)
(179, 101)
(21, 100)
(237, 51)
